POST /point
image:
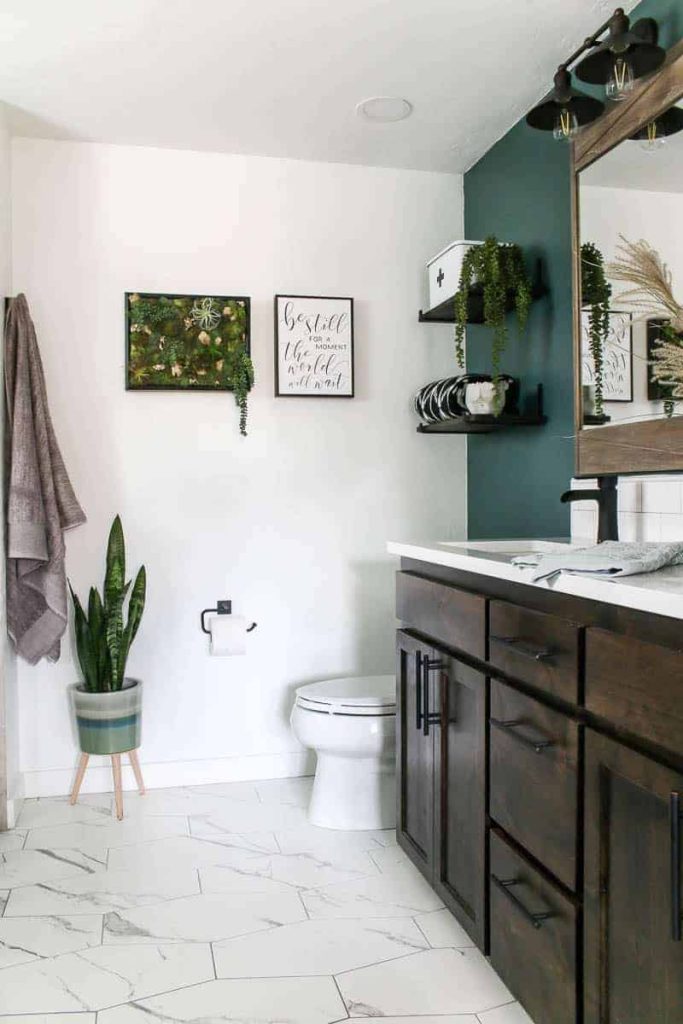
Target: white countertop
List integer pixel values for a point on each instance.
(659, 592)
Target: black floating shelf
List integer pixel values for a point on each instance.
(468, 424)
(591, 420)
(445, 312)
(480, 424)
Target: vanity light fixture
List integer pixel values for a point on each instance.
(653, 135)
(565, 109)
(628, 53)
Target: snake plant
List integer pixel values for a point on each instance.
(103, 639)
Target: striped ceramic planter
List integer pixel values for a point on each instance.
(108, 723)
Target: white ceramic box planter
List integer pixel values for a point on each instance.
(443, 272)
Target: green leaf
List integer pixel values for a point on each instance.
(84, 646)
(136, 607)
(96, 621)
(115, 576)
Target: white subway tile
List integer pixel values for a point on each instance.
(661, 496)
(630, 495)
(671, 528)
(584, 524)
(650, 526)
(629, 526)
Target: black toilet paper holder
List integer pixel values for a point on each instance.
(222, 608)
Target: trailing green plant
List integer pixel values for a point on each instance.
(103, 638)
(596, 294)
(499, 270)
(185, 342)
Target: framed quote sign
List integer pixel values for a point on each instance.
(313, 347)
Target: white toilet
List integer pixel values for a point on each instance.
(351, 725)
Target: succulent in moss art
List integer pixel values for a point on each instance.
(190, 343)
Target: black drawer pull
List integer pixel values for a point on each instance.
(675, 825)
(418, 690)
(505, 885)
(523, 647)
(509, 726)
(429, 718)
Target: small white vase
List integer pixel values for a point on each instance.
(486, 398)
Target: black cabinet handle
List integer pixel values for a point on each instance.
(675, 826)
(505, 885)
(523, 647)
(428, 718)
(418, 690)
(509, 726)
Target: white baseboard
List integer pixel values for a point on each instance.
(160, 774)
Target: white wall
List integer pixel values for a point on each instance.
(607, 213)
(290, 523)
(10, 789)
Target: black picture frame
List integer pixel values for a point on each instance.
(321, 393)
(586, 358)
(656, 392)
(179, 389)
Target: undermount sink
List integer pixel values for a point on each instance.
(511, 548)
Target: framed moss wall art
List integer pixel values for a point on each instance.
(189, 343)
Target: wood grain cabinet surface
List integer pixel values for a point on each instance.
(540, 790)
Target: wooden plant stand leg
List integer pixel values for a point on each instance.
(82, 765)
(135, 765)
(118, 789)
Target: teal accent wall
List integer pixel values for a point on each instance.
(520, 192)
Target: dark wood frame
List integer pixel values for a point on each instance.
(181, 295)
(653, 446)
(339, 298)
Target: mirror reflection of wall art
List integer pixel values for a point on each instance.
(185, 342)
(617, 357)
(313, 346)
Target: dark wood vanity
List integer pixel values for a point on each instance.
(540, 770)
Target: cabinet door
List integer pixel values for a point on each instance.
(633, 949)
(460, 781)
(414, 754)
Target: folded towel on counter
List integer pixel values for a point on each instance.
(41, 503)
(611, 558)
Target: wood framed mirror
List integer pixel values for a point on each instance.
(629, 188)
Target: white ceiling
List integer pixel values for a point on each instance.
(282, 77)
(628, 165)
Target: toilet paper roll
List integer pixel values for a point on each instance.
(228, 635)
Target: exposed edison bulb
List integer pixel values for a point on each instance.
(620, 82)
(566, 125)
(654, 141)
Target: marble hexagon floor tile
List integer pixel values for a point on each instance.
(437, 981)
(178, 852)
(292, 870)
(203, 918)
(442, 931)
(243, 817)
(27, 867)
(374, 896)
(110, 834)
(316, 947)
(296, 792)
(51, 1018)
(458, 1018)
(188, 800)
(102, 977)
(23, 939)
(13, 840)
(512, 1013)
(256, 1001)
(94, 809)
(4, 897)
(102, 892)
(330, 842)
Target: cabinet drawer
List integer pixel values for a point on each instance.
(535, 648)
(533, 778)
(533, 937)
(455, 617)
(636, 685)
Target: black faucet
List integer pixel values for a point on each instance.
(606, 496)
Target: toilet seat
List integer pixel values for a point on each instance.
(362, 696)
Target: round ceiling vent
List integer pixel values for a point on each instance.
(384, 109)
